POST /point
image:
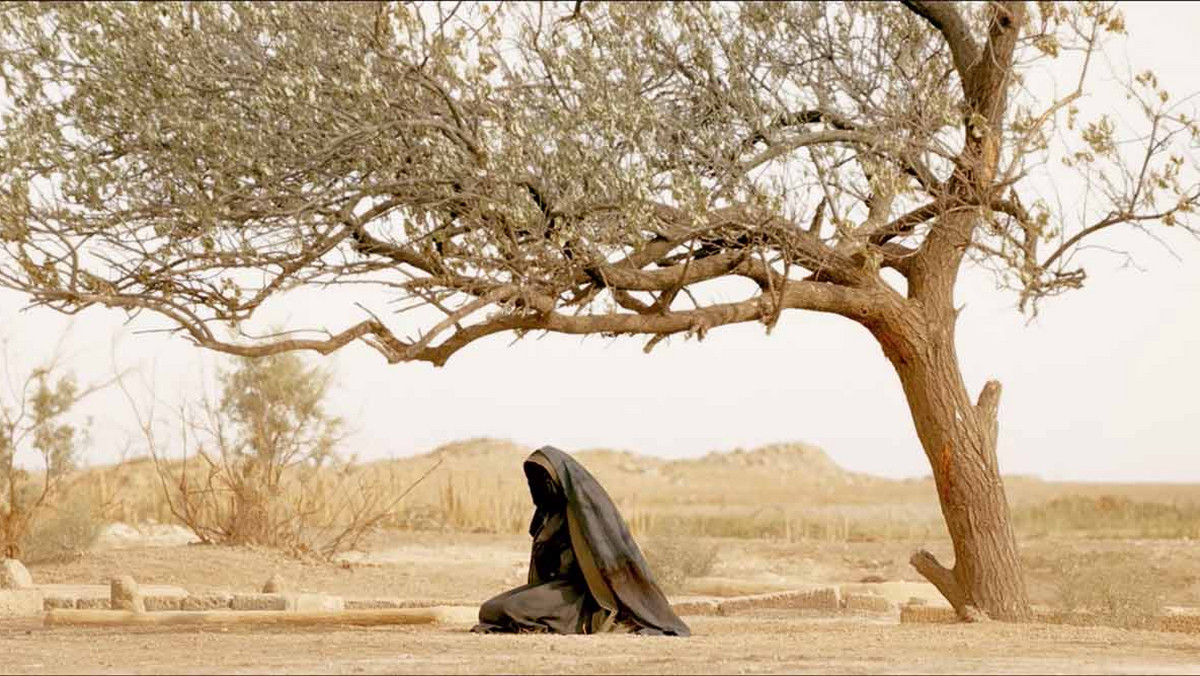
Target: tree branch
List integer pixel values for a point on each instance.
(945, 17)
(1109, 221)
(944, 579)
(856, 304)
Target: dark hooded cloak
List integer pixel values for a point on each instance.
(586, 574)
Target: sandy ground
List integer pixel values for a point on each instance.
(467, 568)
(743, 644)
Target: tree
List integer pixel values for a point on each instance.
(38, 446)
(270, 421)
(588, 168)
(275, 405)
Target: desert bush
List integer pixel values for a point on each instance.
(675, 560)
(1116, 588)
(65, 531)
(259, 465)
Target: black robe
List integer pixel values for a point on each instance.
(586, 574)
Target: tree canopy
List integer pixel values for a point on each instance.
(580, 168)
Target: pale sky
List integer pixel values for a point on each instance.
(1102, 386)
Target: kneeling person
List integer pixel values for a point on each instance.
(586, 574)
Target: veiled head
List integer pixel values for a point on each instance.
(544, 487)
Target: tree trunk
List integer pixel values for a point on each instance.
(959, 438)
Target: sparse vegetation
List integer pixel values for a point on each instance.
(39, 445)
(479, 489)
(1109, 516)
(65, 532)
(827, 523)
(481, 506)
(1116, 588)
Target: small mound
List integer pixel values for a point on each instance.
(800, 461)
(623, 461)
(482, 449)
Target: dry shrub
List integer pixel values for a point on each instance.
(259, 466)
(310, 511)
(66, 531)
(1116, 588)
(675, 560)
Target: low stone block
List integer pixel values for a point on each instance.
(372, 604)
(52, 602)
(927, 614)
(384, 603)
(1183, 623)
(259, 602)
(826, 598)
(697, 607)
(14, 575)
(154, 603)
(99, 597)
(21, 602)
(288, 602)
(314, 602)
(870, 603)
(214, 601)
(897, 592)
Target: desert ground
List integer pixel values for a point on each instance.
(793, 521)
(720, 645)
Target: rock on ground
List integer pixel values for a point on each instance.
(13, 575)
(275, 585)
(125, 594)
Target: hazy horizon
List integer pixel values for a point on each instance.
(1100, 387)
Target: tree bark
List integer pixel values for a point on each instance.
(959, 438)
